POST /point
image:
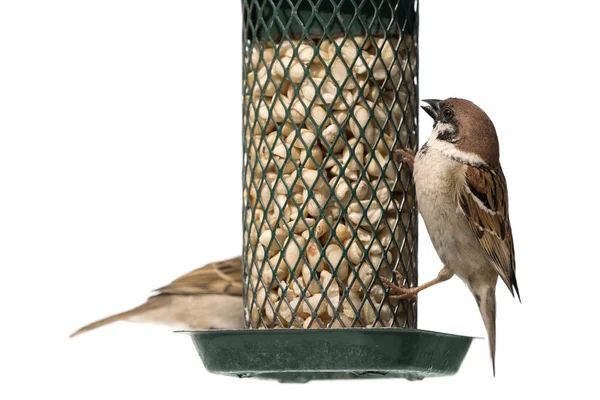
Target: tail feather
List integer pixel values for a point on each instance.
(113, 318)
(486, 300)
(514, 283)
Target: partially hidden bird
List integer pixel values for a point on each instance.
(209, 297)
(463, 199)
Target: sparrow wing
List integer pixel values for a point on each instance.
(484, 201)
(223, 277)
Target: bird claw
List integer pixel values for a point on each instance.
(406, 155)
(399, 276)
(399, 292)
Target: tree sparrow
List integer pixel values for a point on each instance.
(209, 297)
(462, 196)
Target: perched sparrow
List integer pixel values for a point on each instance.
(206, 298)
(462, 196)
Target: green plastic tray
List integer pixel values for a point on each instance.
(297, 355)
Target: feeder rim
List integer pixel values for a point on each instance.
(280, 331)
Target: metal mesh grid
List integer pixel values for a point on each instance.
(330, 91)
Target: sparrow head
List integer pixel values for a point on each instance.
(463, 131)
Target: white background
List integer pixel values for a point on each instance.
(120, 169)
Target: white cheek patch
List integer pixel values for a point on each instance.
(449, 149)
(441, 127)
(444, 127)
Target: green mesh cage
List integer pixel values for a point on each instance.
(329, 92)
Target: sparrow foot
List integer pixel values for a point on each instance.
(399, 292)
(407, 156)
(404, 293)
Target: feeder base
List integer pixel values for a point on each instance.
(298, 355)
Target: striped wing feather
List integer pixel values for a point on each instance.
(484, 201)
(223, 277)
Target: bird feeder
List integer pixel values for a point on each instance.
(329, 93)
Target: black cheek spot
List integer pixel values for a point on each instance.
(448, 136)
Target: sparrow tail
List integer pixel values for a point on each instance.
(113, 318)
(486, 300)
(514, 283)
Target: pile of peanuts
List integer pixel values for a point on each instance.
(320, 179)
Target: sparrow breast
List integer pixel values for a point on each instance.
(437, 177)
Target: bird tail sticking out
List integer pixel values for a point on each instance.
(486, 300)
(114, 318)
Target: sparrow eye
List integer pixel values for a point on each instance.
(448, 113)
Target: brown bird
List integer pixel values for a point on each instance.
(462, 196)
(209, 297)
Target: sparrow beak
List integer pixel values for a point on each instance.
(432, 108)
